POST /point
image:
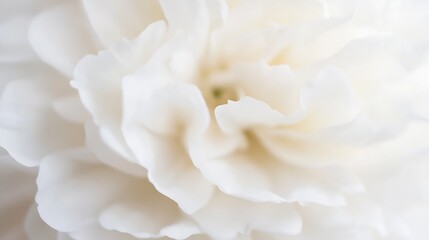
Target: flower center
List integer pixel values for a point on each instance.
(221, 94)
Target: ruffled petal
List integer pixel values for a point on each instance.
(309, 149)
(227, 217)
(329, 100)
(14, 45)
(99, 148)
(175, 109)
(17, 192)
(271, 167)
(194, 16)
(95, 231)
(281, 92)
(30, 128)
(249, 113)
(166, 124)
(135, 218)
(114, 20)
(262, 178)
(36, 229)
(110, 198)
(71, 108)
(107, 70)
(60, 37)
(341, 223)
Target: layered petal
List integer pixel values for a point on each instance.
(60, 36)
(215, 119)
(249, 113)
(329, 100)
(227, 217)
(104, 103)
(115, 20)
(17, 192)
(37, 229)
(112, 199)
(14, 46)
(194, 16)
(30, 127)
(160, 136)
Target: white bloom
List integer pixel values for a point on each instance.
(215, 119)
(20, 219)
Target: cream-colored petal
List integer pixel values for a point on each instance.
(160, 136)
(135, 217)
(99, 79)
(71, 108)
(14, 45)
(114, 20)
(99, 148)
(60, 36)
(17, 189)
(280, 92)
(329, 100)
(255, 173)
(95, 231)
(174, 110)
(106, 196)
(194, 16)
(249, 113)
(30, 128)
(227, 217)
(36, 229)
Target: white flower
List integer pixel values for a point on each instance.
(20, 219)
(215, 119)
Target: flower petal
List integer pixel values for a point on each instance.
(281, 92)
(136, 218)
(60, 37)
(173, 109)
(17, 192)
(249, 113)
(108, 196)
(113, 20)
(255, 173)
(329, 99)
(64, 176)
(95, 231)
(195, 16)
(71, 109)
(30, 128)
(95, 143)
(226, 217)
(36, 229)
(99, 78)
(14, 46)
(159, 136)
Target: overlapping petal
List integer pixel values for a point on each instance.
(215, 119)
(60, 36)
(111, 198)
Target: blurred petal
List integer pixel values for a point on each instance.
(195, 16)
(173, 116)
(329, 100)
(226, 217)
(106, 155)
(249, 113)
(17, 189)
(113, 20)
(99, 78)
(109, 196)
(30, 128)
(14, 46)
(36, 229)
(60, 37)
